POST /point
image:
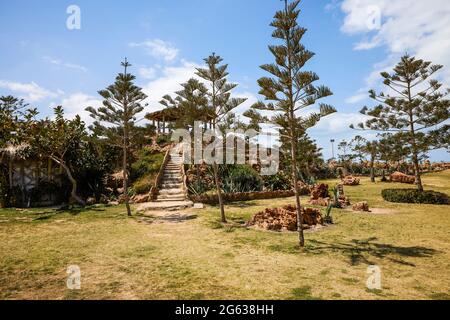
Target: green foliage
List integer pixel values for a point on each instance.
(143, 184)
(241, 178)
(147, 163)
(163, 140)
(414, 111)
(116, 118)
(279, 181)
(328, 217)
(414, 196)
(91, 164)
(198, 187)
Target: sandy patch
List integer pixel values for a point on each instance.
(382, 211)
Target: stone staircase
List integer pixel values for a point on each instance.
(172, 187)
(172, 194)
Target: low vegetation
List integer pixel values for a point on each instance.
(414, 196)
(200, 258)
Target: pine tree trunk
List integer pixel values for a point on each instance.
(219, 193)
(372, 169)
(10, 172)
(417, 173)
(73, 192)
(301, 237)
(125, 171)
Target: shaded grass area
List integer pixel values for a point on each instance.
(142, 258)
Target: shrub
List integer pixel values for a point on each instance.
(147, 163)
(414, 196)
(163, 140)
(241, 178)
(198, 187)
(279, 181)
(144, 184)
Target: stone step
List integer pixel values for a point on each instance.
(166, 185)
(171, 192)
(171, 181)
(172, 171)
(171, 176)
(170, 198)
(164, 205)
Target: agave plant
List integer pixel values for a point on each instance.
(328, 218)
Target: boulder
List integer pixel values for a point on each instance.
(323, 202)
(198, 206)
(319, 191)
(140, 198)
(350, 181)
(361, 206)
(285, 218)
(402, 178)
(91, 201)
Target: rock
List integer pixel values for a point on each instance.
(113, 203)
(104, 199)
(90, 201)
(285, 218)
(140, 198)
(319, 191)
(344, 201)
(361, 206)
(323, 202)
(350, 181)
(198, 206)
(402, 178)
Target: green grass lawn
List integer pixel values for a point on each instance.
(149, 258)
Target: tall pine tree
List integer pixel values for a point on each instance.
(220, 105)
(291, 89)
(415, 109)
(122, 102)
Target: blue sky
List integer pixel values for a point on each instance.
(48, 64)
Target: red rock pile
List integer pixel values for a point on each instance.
(361, 206)
(285, 218)
(402, 178)
(320, 195)
(350, 181)
(320, 191)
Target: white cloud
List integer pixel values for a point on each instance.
(59, 62)
(147, 73)
(338, 122)
(168, 83)
(31, 92)
(360, 96)
(76, 103)
(159, 49)
(421, 28)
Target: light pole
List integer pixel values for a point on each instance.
(332, 147)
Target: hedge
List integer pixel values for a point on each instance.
(414, 196)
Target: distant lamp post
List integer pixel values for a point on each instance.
(332, 148)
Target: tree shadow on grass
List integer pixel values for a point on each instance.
(243, 204)
(360, 251)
